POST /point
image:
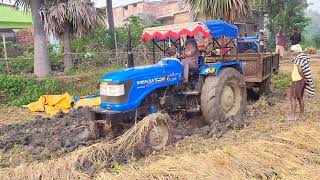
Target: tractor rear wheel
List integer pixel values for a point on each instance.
(223, 96)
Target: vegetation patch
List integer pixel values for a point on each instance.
(282, 81)
(19, 90)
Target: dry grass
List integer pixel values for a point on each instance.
(269, 148)
(14, 115)
(262, 159)
(87, 160)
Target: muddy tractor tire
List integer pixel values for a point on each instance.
(223, 96)
(158, 135)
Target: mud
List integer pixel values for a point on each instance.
(44, 137)
(47, 138)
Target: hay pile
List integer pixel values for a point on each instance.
(291, 155)
(310, 50)
(85, 162)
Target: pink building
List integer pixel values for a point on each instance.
(165, 11)
(172, 12)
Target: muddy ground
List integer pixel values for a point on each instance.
(44, 138)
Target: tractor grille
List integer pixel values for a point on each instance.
(118, 99)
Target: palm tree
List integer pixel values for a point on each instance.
(228, 10)
(41, 56)
(64, 18)
(110, 16)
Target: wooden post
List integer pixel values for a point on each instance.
(116, 44)
(5, 52)
(153, 52)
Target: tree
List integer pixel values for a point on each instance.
(283, 14)
(41, 56)
(64, 18)
(228, 10)
(110, 17)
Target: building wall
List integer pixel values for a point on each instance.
(25, 37)
(182, 17)
(145, 10)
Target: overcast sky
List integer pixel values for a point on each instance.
(315, 5)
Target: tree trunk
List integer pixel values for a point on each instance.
(67, 56)
(41, 55)
(110, 18)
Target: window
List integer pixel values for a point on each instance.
(125, 11)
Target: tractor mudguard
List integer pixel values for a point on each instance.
(140, 82)
(215, 68)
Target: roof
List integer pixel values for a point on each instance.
(121, 3)
(214, 28)
(11, 18)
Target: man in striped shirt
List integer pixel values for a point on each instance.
(302, 80)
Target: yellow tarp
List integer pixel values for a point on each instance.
(52, 104)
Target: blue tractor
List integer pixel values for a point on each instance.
(217, 89)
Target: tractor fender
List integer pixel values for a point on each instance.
(215, 68)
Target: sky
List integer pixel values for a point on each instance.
(315, 4)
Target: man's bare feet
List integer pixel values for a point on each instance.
(292, 117)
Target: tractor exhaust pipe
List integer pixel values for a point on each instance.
(130, 54)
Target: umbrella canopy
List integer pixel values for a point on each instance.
(214, 28)
(175, 31)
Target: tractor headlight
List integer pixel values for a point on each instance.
(112, 90)
(210, 70)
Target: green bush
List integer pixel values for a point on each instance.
(14, 50)
(18, 90)
(311, 41)
(282, 81)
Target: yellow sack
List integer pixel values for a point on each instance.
(51, 104)
(88, 102)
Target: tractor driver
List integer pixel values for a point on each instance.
(190, 60)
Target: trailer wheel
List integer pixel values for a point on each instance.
(223, 96)
(265, 86)
(158, 135)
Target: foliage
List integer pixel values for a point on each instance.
(99, 40)
(282, 81)
(19, 90)
(311, 41)
(81, 15)
(283, 14)
(13, 50)
(24, 64)
(228, 10)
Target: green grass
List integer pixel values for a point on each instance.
(19, 90)
(282, 81)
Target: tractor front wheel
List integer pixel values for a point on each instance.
(158, 135)
(223, 96)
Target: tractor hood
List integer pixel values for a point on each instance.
(125, 89)
(140, 72)
(133, 73)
